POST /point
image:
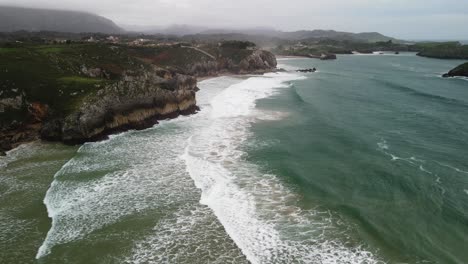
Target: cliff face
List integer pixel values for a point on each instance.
(135, 102)
(258, 61)
(461, 71)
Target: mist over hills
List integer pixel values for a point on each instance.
(33, 19)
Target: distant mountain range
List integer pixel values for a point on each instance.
(32, 19)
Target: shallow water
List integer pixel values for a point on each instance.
(361, 162)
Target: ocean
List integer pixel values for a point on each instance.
(364, 161)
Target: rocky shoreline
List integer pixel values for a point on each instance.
(129, 103)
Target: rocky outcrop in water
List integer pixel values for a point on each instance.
(307, 70)
(461, 71)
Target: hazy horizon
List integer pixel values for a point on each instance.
(418, 20)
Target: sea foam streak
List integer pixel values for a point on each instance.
(256, 210)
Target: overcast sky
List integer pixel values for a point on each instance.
(408, 19)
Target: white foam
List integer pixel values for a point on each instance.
(128, 174)
(140, 171)
(461, 78)
(4, 160)
(190, 233)
(256, 210)
(383, 144)
(239, 99)
(109, 180)
(23, 151)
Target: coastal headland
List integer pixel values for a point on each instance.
(76, 92)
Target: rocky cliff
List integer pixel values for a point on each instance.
(84, 92)
(212, 60)
(461, 71)
(258, 61)
(137, 101)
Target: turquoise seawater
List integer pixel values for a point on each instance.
(364, 161)
(382, 142)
